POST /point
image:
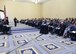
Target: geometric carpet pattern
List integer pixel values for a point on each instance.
(27, 43)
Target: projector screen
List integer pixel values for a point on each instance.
(2, 15)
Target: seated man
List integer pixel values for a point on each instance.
(69, 28)
(72, 32)
(73, 28)
(61, 30)
(44, 28)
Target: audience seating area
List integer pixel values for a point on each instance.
(54, 26)
(40, 36)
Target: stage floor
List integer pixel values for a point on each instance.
(24, 42)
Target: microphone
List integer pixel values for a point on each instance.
(24, 44)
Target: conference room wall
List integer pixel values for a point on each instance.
(59, 9)
(21, 10)
(2, 4)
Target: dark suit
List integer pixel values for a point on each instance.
(72, 33)
(44, 29)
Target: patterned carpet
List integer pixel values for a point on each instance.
(26, 43)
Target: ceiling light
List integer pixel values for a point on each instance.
(36, 1)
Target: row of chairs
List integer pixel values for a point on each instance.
(45, 29)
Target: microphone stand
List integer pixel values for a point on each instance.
(23, 44)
